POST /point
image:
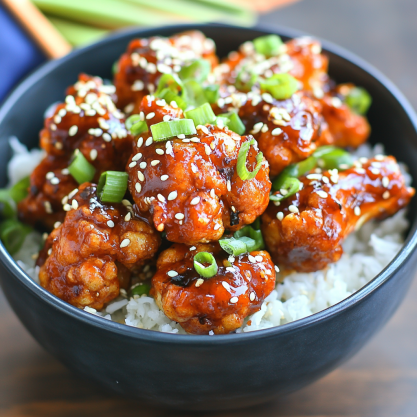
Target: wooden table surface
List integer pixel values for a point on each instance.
(380, 381)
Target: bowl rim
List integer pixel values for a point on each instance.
(150, 335)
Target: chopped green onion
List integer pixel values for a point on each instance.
(255, 235)
(198, 71)
(205, 271)
(233, 246)
(20, 190)
(13, 234)
(169, 96)
(294, 170)
(330, 157)
(81, 169)
(256, 225)
(201, 115)
(268, 45)
(7, 206)
(171, 81)
(242, 171)
(164, 130)
(245, 79)
(112, 186)
(212, 93)
(281, 86)
(358, 100)
(135, 125)
(140, 289)
(236, 124)
(194, 94)
(288, 187)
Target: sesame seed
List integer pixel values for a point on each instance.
(106, 137)
(166, 118)
(93, 154)
(64, 200)
(160, 102)
(252, 259)
(314, 176)
(230, 269)
(233, 209)
(128, 217)
(207, 149)
(137, 157)
(67, 207)
(193, 248)
(74, 204)
(125, 242)
(385, 182)
(334, 179)
(142, 165)
(73, 130)
(126, 203)
(172, 195)
(283, 191)
(268, 98)
(252, 296)
(110, 223)
(50, 175)
(148, 141)
(48, 207)
(138, 187)
(322, 194)
(234, 300)
(195, 140)
(325, 180)
(195, 201)
(212, 193)
(57, 224)
(213, 145)
(49, 252)
(217, 226)
(159, 151)
(179, 216)
(164, 177)
(386, 195)
(264, 128)
(357, 211)
(150, 116)
(229, 185)
(140, 142)
(132, 164)
(293, 209)
(161, 198)
(199, 282)
(277, 131)
(276, 268)
(181, 136)
(379, 157)
(155, 162)
(363, 160)
(280, 215)
(141, 177)
(55, 181)
(374, 171)
(172, 273)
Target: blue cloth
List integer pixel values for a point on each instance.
(18, 53)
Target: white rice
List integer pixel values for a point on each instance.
(366, 253)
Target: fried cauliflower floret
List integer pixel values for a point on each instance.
(287, 131)
(93, 253)
(146, 60)
(219, 304)
(88, 121)
(305, 231)
(190, 187)
(300, 57)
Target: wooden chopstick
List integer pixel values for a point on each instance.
(39, 28)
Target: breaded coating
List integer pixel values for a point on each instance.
(190, 188)
(305, 231)
(88, 121)
(287, 131)
(300, 57)
(141, 66)
(93, 253)
(218, 304)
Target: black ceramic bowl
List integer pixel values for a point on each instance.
(206, 372)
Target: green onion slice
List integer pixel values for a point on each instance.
(135, 125)
(7, 207)
(358, 100)
(194, 94)
(20, 190)
(13, 234)
(171, 81)
(169, 96)
(198, 71)
(269, 45)
(112, 186)
(330, 157)
(281, 86)
(288, 187)
(232, 121)
(245, 79)
(164, 130)
(201, 115)
(140, 289)
(233, 246)
(206, 258)
(81, 169)
(212, 93)
(256, 235)
(242, 171)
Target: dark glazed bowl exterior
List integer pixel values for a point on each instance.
(206, 372)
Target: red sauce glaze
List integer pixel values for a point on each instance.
(93, 253)
(287, 131)
(190, 187)
(145, 60)
(310, 238)
(88, 121)
(219, 304)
